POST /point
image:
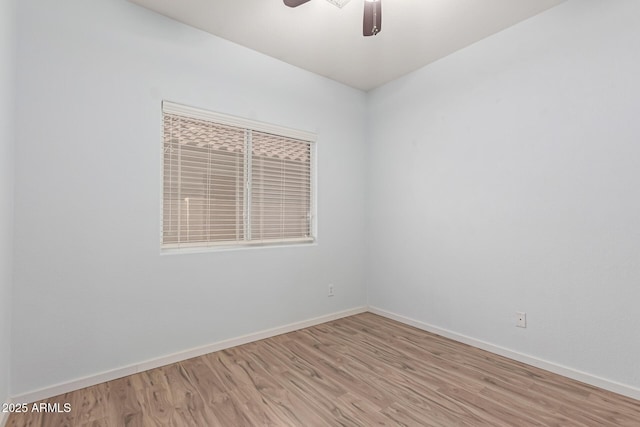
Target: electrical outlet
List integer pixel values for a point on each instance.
(330, 291)
(521, 319)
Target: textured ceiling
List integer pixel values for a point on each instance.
(327, 40)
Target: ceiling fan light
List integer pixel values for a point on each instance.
(339, 3)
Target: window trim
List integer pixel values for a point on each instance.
(168, 107)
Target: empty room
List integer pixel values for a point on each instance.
(319, 213)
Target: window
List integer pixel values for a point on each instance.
(230, 181)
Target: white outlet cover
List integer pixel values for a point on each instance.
(521, 319)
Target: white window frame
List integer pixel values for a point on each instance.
(169, 107)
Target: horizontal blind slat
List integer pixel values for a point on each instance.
(281, 188)
(204, 185)
(204, 181)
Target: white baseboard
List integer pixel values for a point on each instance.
(91, 380)
(565, 371)
(113, 374)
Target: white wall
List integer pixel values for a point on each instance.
(501, 178)
(92, 292)
(7, 65)
(505, 178)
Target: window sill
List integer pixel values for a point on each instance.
(241, 247)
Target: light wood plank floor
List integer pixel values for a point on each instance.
(363, 370)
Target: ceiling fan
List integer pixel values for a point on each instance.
(372, 21)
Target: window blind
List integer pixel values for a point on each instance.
(281, 188)
(232, 185)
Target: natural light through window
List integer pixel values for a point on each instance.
(228, 181)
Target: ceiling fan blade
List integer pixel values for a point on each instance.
(372, 21)
(295, 3)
